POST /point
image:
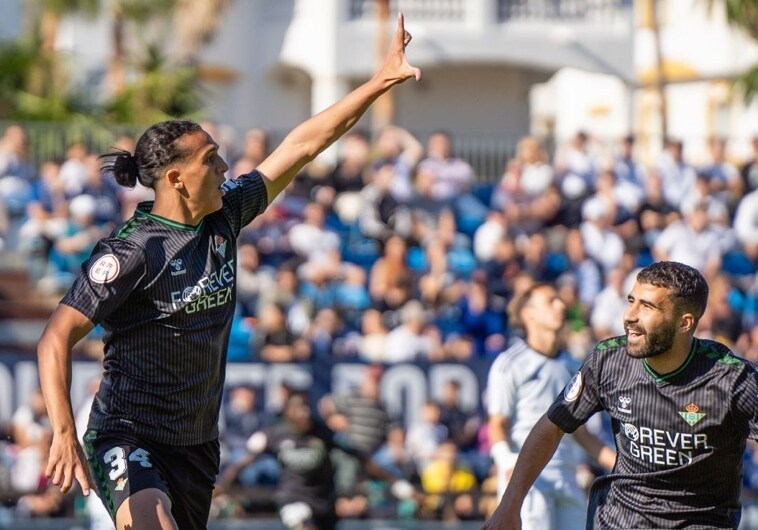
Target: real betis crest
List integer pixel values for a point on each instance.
(692, 414)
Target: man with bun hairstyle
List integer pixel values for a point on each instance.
(162, 287)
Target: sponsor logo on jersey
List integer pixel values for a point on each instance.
(573, 389)
(624, 404)
(662, 447)
(177, 267)
(121, 484)
(213, 290)
(219, 245)
(190, 294)
(692, 414)
(105, 269)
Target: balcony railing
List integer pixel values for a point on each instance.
(455, 10)
(428, 10)
(589, 10)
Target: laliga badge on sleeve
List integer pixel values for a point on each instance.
(573, 389)
(105, 269)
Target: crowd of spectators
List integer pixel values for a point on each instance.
(401, 252)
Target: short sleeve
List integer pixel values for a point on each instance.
(112, 273)
(501, 389)
(745, 402)
(245, 198)
(579, 399)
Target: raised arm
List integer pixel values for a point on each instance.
(66, 327)
(311, 137)
(537, 451)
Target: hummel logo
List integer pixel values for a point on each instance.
(624, 403)
(178, 267)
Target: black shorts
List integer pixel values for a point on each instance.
(122, 465)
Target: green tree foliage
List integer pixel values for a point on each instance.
(744, 14)
(144, 84)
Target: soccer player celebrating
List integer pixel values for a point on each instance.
(521, 385)
(162, 287)
(681, 408)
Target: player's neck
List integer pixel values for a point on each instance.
(673, 359)
(178, 212)
(545, 343)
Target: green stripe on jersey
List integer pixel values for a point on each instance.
(659, 378)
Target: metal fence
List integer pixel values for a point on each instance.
(49, 140)
(455, 10)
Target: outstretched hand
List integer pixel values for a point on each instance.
(66, 463)
(396, 67)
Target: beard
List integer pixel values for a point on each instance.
(654, 342)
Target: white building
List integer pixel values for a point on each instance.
(493, 69)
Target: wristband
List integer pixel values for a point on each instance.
(503, 456)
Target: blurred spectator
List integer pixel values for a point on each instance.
(723, 178)
(487, 236)
(351, 296)
(749, 171)
(451, 177)
(390, 276)
(254, 151)
(480, 321)
(630, 174)
(252, 279)
(607, 315)
(655, 213)
(16, 177)
(600, 241)
(14, 154)
(425, 435)
(350, 172)
(576, 167)
(403, 151)
(677, 177)
(382, 215)
(311, 239)
(449, 485)
(720, 321)
(275, 340)
(589, 280)
(373, 337)
(74, 169)
(327, 335)
(105, 192)
(240, 420)
(364, 422)
(46, 210)
(74, 244)
(691, 241)
(746, 224)
(413, 339)
(285, 293)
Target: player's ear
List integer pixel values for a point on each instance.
(174, 179)
(687, 323)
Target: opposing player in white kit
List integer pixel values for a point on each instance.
(522, 384)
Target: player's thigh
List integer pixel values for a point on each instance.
(148, 509)
(571, 507)
(537, 512)
(121, 467)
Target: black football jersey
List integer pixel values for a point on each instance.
(164, 294)
(680, 436)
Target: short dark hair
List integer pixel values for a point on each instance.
(689, 290)
(157, 148)
(516, 305)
